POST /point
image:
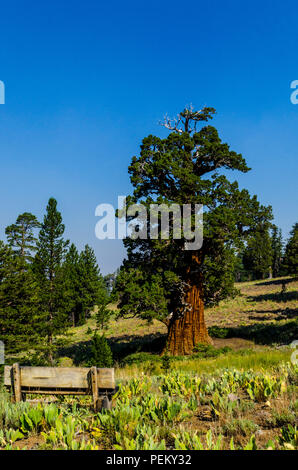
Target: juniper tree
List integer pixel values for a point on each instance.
(51, 248)
(160, 278)
(21, 235)
(290, 263)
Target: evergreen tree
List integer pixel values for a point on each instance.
(290, 263)
(257, 256)
(160, 279)
(73, 280)
(92, 287)
(103, 315)
(101, 352)
(277, 247)
(19, 303)
(51, 248)
(21, 236)
(241, 273)
(84, 286)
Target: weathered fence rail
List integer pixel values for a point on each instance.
(22, 380)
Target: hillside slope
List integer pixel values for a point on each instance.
(261, 314)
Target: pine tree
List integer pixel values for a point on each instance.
(160, 279)
(101, 352)
(92, 288)
(103, 315)
(257, 256)
(241, 273)
(84, 286)
(19, 303)
(21, 236)
(277, 247)
(51, 248)
(73, 281)
(290, 263)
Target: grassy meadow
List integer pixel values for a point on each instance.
(240, 393)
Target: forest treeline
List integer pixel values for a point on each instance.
(267, 255)
(46, 285)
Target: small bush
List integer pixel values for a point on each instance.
(152, 368)
(283, 418)
(138, 358)
(101, 354)
(166, 363)
(217, 332)
(245, 427)
(65, 362)
(206, 350)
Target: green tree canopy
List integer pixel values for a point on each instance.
(84, 285)
(19, 303)
(160, 278)
(291, 252)
(277, 250)
(258, 255)
(51, 250)
(21, 235)
(94, 291)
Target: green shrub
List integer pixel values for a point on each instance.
(283, 418)
(206, 350)
(101, 354)
(138, 358)
(166, 363)
(289, 437)
(65, 362)
(245, 427)
(217, 332)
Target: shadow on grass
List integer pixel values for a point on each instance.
(121, 347)
(80, 353)
(277, 314)
(265, 334)
(275, 297)
(276, 282)
(124, 345)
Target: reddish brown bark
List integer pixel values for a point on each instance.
(188, 328)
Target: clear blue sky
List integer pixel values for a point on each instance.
(86, 81)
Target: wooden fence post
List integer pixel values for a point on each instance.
(16, 376)
(94, 387)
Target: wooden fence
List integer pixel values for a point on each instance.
(22, 380)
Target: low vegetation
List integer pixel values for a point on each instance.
(239, 393)
(226, 409)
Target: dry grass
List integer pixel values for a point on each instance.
(259, 302)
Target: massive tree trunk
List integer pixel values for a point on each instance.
(187, 328)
